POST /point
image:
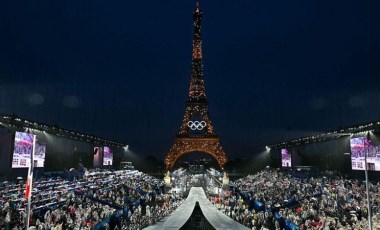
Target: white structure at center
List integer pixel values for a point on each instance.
(180, 216)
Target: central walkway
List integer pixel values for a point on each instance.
(180, 216)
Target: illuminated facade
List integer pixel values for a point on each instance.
(196, 133)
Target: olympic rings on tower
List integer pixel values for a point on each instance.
(196, 125)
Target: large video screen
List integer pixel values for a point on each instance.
(23, 148)
(39, 154)
(108, 156)
(359, 147)
(286, 158)
(98, 153)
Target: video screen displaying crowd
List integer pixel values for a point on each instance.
(272, 199)
(126, 199)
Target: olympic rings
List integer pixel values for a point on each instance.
(196, 125)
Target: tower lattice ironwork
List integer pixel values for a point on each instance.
(196, 133)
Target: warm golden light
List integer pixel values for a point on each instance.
(206, 140)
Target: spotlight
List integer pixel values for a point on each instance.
(126, 147)
(268, 148)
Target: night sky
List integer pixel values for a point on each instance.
(274, 70)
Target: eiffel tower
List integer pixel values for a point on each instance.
(196, 133)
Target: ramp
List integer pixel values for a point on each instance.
(182, 214)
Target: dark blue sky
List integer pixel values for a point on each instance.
(120, 69)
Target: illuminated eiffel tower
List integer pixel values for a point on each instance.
(196, 133)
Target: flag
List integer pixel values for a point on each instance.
(29, 181)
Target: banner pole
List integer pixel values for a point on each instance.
(29, 183)
(366, 146)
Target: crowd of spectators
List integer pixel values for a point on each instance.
(102, 199)
(272, 199)
(129, 199)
